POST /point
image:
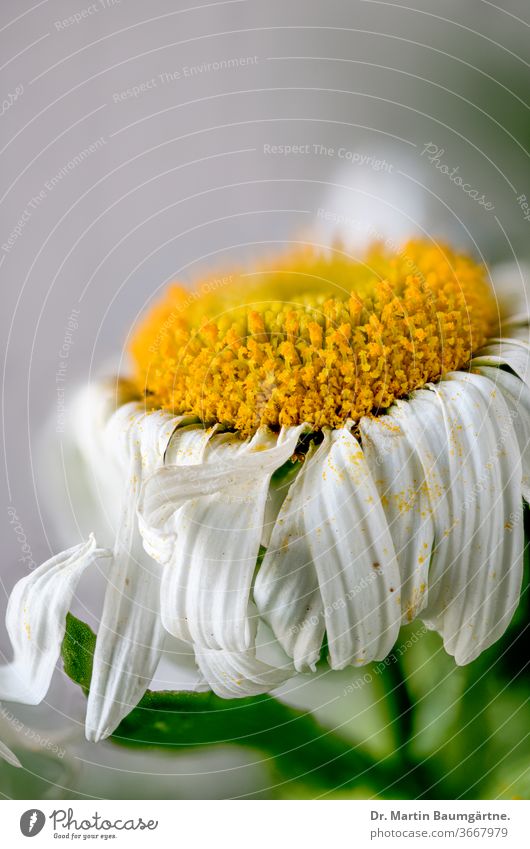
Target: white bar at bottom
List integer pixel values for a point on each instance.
(272, 824)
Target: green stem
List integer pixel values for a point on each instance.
(401, 710)
(401, 706)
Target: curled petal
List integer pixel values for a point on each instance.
(215, 511)
(232, 675)
(514, 353)
(36, 621)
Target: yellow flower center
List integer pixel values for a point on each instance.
(313, 336)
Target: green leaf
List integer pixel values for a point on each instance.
(300, 749)
(77, 651)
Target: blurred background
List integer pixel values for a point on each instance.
(146, 142)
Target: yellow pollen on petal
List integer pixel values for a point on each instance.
(313, 336)
(27, 626)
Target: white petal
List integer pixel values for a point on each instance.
(464, 436)
(486, 582)
(421, 418)
(517, 397)
(187, 447)
(216, 510)
(343, 531)
(36, 622)
(170, 488)
(129, 642)
(286, 590)
(398, 475)
(130, 634)
(8, 755)
(353, 554)
(514, 353)
(238, 674)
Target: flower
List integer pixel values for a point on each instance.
(323, 449)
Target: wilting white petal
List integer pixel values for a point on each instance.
(344, 530)
(353, 554)
(206, 587)
(517, 397)
(129, 642)
(420, 417)
(36, 622)
(464, 436)
(130, 634)
(170, 487)
(286, 590)
(236, 674)
(216, 510)
(514, 353)
(187, 447)
(7, 755)
(486, 582)
(398, 475)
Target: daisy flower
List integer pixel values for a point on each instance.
(309, 454)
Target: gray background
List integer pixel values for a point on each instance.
(181, 183)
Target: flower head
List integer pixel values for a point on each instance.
(310, 454)
(314, 337)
